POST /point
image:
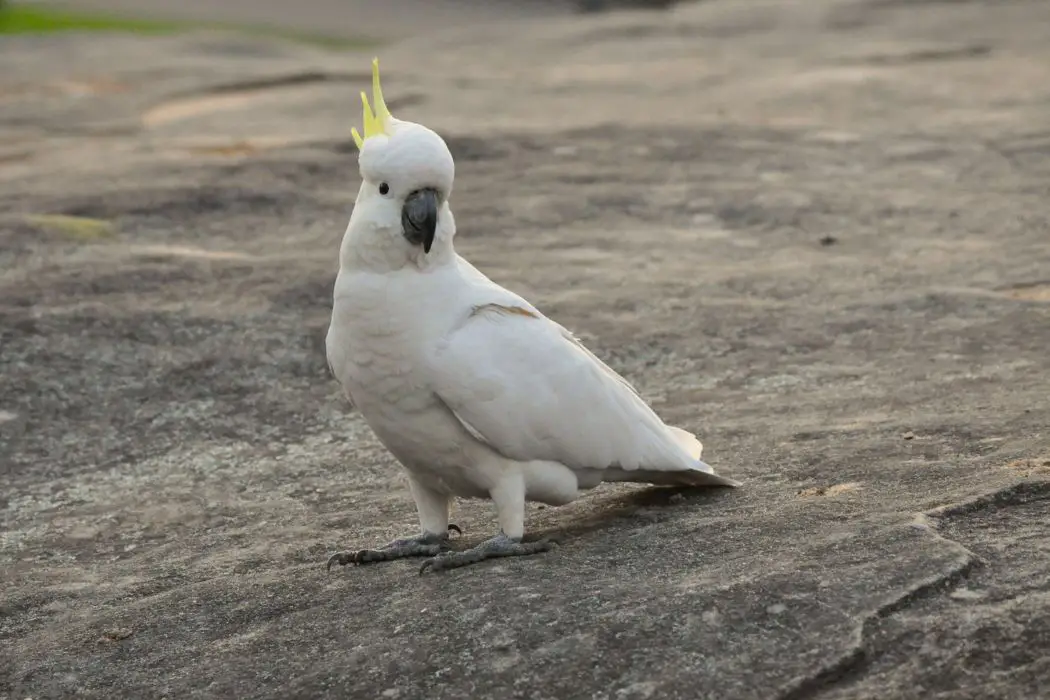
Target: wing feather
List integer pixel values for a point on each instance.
(526, 387)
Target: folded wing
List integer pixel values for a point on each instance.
(522, 384)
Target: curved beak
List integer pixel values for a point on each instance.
(419, 217)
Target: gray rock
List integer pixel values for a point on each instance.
(815, 235)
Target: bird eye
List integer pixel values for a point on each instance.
(383, 188)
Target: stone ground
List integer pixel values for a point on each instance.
(814, 232)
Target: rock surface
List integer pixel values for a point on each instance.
(814, 232)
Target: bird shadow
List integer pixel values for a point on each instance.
(647, 505)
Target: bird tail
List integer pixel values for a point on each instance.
(688, 442)
(700, 475)
(703, 475)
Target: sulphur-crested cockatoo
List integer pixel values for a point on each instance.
(473, 390)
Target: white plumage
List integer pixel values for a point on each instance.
(528, 389)
(472, 389)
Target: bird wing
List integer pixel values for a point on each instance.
(526, 387)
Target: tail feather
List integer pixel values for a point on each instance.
(695, 448)
(687, 441)
(703, 475)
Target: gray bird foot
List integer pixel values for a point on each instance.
(498, 546)
(428, 544)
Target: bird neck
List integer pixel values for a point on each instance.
(377, 247)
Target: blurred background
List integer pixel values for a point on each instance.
(390, 19)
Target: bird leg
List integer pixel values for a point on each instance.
(427, 544)
(508, 495)
(498, 546)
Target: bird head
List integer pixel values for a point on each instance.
(407, 173)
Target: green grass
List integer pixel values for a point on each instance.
(35, 19)
(76, 227)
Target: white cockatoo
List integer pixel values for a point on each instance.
(473, 390)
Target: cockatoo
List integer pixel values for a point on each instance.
(474, 391)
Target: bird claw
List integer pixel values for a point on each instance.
(361, 556)
(425, 545)
(498, 546)
(342, 559)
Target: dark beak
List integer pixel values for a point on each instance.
(419, 218)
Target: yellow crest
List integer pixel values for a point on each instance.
(376, 122)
